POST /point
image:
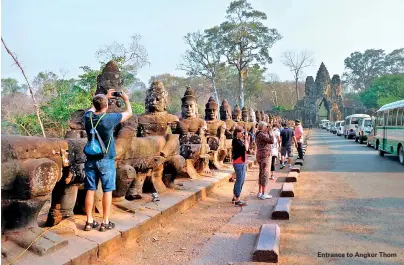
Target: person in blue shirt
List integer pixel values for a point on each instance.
(103, 169)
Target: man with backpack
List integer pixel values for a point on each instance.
(100, 153)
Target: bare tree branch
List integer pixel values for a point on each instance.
(29, 87)
(296, 62)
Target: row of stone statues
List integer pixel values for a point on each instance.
(153, 147)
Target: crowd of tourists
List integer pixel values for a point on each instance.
(274, 148)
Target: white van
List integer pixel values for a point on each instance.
(365, 127)
(340, 128)
(323, 124)
(351, 123)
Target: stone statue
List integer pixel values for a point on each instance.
(225, 115)
(192, 130)
(30, 169)
(258, 116)
(154, 154)
(215, 133)
(236, 115)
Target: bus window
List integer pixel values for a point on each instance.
(392, 117)
(355, 120)
(380, 119)
(400, 117)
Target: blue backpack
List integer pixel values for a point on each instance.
(95, 146)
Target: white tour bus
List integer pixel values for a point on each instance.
(351, 123)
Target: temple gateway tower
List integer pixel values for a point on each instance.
(322, 100)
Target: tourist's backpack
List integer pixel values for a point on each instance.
(95, 146)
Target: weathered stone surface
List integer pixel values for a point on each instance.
(282, 209)
(292, 177)
(46, 244)
(295, 168)
(299, 162)
(267, 246)
(287, 190)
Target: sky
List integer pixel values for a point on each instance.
(62, 35)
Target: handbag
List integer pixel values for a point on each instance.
(95, 146)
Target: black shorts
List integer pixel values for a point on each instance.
(287, 150)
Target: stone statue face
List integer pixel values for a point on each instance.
(188, 109)
(156, 102)
(244, 116)
(225, 114)
(211, 114)
(251, 116)
(236, 116)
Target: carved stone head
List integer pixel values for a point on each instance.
(156, 97)
(211, 110)
(258, 115)
(188, 106)
(225, 110)
(236, 113)
(110, 78)
(244, 114)
(251, 115)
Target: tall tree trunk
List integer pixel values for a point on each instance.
(240, 80)
(215, 93)
(297, 89)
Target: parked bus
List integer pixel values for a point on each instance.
(351, 123)
(389, 130)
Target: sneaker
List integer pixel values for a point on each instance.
(272, 177)
(290, 166)
(259, 195)
(265, 196)
(282, 166)
(240, 203)
(233, 201)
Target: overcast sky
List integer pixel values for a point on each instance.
(65, 34)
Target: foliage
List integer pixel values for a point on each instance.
(279, 108)
(243, 38)
(383, 90)
(362, 68)
(11, 86)
(137, 107)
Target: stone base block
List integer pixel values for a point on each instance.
(299, 162)
(267, 246)
(292, 177)
(282, 209)
(287, 190)
(295, 168)
(48, 243)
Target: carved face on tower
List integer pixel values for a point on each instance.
(225, 110)
(156, 97)
(244, 114)
(251, 116)
(110, 78)
(211, 110)
(236, 113)
(188, 106)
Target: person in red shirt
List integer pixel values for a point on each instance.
(299, 138)
(240, 145)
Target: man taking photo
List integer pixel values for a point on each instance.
(102, 167)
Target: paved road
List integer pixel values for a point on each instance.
(348, 199)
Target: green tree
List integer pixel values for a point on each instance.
(11, 86)
(383, 90)
(362, 68)
(244, 39)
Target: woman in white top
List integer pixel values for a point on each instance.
(275, 148)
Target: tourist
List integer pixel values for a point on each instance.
(263, 139)
(240, 145)
(275, 148)
(287, 139)
(102, 167)
(299, 138)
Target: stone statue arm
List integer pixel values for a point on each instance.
(222, 130)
